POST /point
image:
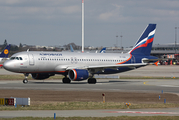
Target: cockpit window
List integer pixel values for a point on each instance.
(16, 58)
(12, 58)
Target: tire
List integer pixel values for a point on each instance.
(25, 81)
(66, 80)
(92, 81)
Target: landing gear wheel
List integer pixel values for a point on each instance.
(92, 81)
(25, 81)
(66, 80)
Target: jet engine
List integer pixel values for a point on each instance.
(41, 76)
(78, 74)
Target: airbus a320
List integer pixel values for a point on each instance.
(82, 66)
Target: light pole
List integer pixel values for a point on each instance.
(176, 38)
(116, 41)
(121, 42)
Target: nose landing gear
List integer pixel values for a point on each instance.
(25, 81)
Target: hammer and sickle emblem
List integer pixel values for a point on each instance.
(6, 51)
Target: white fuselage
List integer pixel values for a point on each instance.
(37, 62)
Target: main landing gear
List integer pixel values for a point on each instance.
(66, 80)
(92, 80)
(25, 81)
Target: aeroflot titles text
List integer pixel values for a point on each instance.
(50, 54)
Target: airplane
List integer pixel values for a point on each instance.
(71, 48)
(103, 50)
(82, 66)
(4, 54)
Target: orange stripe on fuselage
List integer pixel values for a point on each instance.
(124, 61)
(61, 71)
(45, 72)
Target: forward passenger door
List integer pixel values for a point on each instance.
(31, 59)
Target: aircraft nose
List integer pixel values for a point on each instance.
(7, 65)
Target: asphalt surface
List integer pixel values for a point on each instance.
(129, 85)
(137, 85)
(150, 70)
(91, 113)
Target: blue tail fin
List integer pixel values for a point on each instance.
(144, 44)
(5, 52)
(71, 48)
(103, 50)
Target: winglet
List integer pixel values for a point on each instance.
(156, 63)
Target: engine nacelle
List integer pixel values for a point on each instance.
(41, 76)
(78, 74)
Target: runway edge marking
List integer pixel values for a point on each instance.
(140, 112)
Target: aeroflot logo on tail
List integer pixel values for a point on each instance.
(50, 54)
(147, 40)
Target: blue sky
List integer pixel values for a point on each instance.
(58, 22)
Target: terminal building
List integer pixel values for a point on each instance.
(163, 49)
(168, 52)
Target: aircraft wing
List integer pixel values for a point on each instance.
(106, 66)
(117, 65)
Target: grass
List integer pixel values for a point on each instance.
(86, 106)
(98, 118)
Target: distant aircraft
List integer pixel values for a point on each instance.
(71, 48)
(103, 50)
(4, 54)
(81, 66)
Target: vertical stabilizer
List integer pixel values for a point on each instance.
(144, 44)
(5, 52)
(103, 50)
(71, 48)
